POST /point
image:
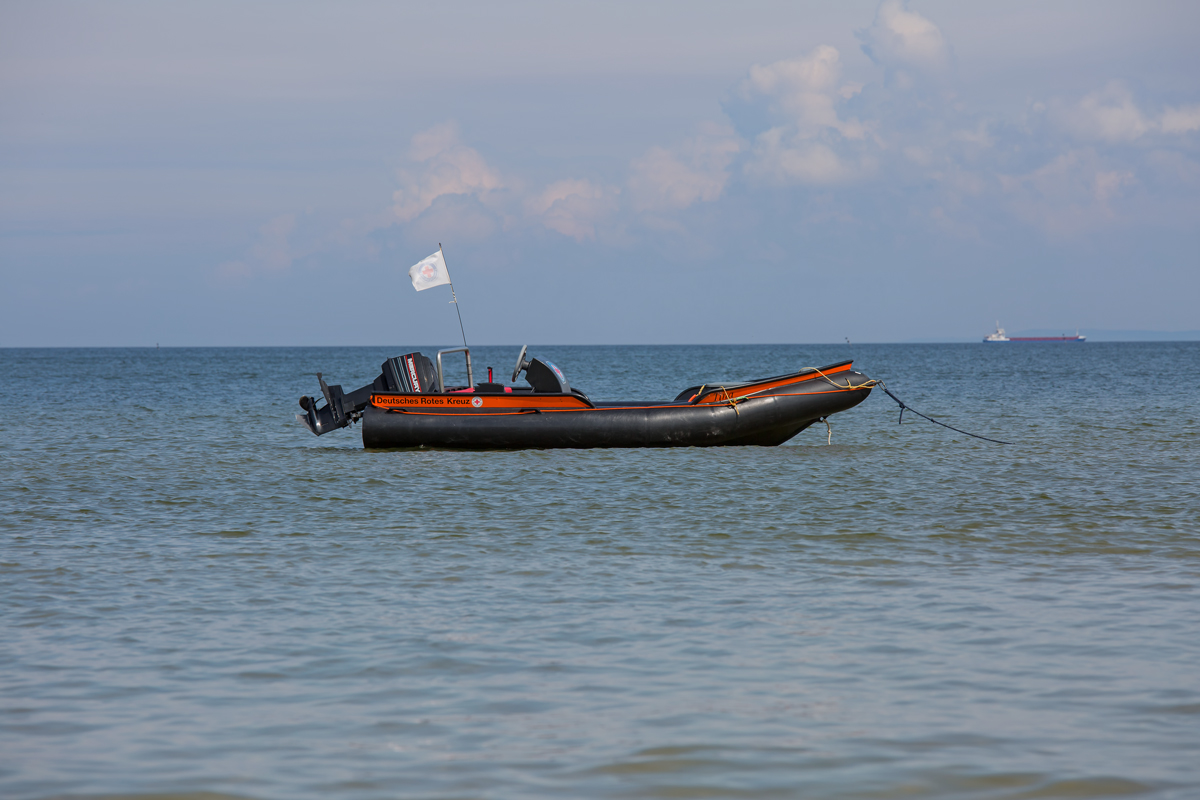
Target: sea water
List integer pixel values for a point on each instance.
(201, 599)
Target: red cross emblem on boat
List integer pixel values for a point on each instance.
(477, 401)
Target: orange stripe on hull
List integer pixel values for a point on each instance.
(720, 395)
(473, 402)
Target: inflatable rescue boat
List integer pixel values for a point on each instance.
(409, 405)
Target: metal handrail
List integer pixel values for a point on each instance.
(441, 379)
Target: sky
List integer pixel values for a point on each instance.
(230, 173)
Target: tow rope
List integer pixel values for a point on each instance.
(904, 407)
(871, 383)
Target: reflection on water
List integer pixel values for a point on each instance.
(202, 600)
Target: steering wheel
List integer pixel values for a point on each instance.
(521, 363)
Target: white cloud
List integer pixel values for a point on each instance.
(1184, 119)
(809, 147)
(458, 217)
(904, 42)
(697, 171)
(790, 160)
(805, 90)
(1069, 195)
(574, 207)
(979, 136)
(922, 143)
(449, 168)
(1112, 115)
(1107, 185)
(456, 190)
(1109, 115)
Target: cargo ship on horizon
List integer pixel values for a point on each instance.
(999, 336)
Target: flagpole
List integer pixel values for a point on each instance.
(454, 296)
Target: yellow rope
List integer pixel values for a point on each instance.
(732, 403)
(870, 383)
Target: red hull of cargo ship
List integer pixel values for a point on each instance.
(1047, 338)
(999, 336)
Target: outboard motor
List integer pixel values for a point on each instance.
(412, 373)
(409, 374)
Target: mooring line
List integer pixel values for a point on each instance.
(904, 407)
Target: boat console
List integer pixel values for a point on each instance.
(543, 376)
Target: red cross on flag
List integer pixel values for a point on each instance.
(429, 272)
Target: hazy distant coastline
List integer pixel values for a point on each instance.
(1092, 334)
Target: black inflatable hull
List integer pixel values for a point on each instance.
(764, 413)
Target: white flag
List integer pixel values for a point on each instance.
(429, 272)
